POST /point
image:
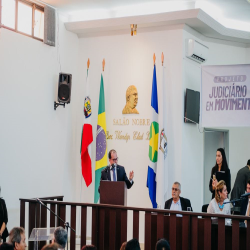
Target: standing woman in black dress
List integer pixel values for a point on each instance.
(3, 220)
(220, 172)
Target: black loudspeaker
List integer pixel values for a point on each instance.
(64, 87)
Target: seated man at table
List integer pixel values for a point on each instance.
(176, 202)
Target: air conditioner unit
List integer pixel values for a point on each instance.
(196, 51)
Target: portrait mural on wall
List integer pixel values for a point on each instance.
(131, 101)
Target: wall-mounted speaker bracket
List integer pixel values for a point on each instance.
(56, 104)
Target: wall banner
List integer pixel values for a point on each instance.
(225, 96)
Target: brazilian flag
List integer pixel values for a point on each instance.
(101, 142)
(153, 143)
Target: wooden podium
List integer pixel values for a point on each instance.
(113, 193)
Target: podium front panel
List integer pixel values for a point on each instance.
(113, 193)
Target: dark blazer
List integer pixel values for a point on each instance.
(185, 203)
(243, 208)
(240, 183)
(121, 175)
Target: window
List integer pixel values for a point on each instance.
(22, 16)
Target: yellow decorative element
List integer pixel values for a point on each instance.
(131, 101)
(135, 29)
(103, 64)
(88, 63)
(154, 141)
(154, 58)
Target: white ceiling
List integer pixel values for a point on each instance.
(230, 13)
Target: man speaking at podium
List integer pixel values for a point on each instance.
(115, 172)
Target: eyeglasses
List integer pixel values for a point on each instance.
(175, 189)
(116, 159)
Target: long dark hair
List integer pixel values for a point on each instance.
(224, 166)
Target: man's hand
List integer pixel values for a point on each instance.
(131, 175)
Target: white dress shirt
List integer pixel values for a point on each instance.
(247, 206)
(176, 206)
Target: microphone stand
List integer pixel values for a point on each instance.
(66, 224)
(233, 201)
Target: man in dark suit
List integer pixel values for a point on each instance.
(115, 172)
(246, 202)
(176, 202)
(240, 183)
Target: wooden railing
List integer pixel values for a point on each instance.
(109, 226)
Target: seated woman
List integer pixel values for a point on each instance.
(216, 205)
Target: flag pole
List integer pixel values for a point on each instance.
(162, 58)
(88, 63)
(154, 57)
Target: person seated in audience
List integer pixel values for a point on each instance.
(52, 246)
(162, 244)
(60, 237)
(123, 246)
(216, 205)
(89, 247)
(133, 245)
(245, 204)
(176, 202)
(6, 246)
(17, 238)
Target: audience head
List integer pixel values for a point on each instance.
(60, 237)
(53, 246)
(221, 191)
(176, 191)
(123, 246)
(6, 246)
(89, 247)
(17, 238)
(221, 159)
(162, 244)
(248, 162)
(133, 245)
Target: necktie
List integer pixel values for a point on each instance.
(114, 176)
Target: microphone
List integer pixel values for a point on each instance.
(40, 201)
(113, 166)
(245, 195)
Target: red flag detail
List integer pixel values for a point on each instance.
(87, 138)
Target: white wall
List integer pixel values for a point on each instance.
(36, 142)
(129, 61)
(220, 53)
